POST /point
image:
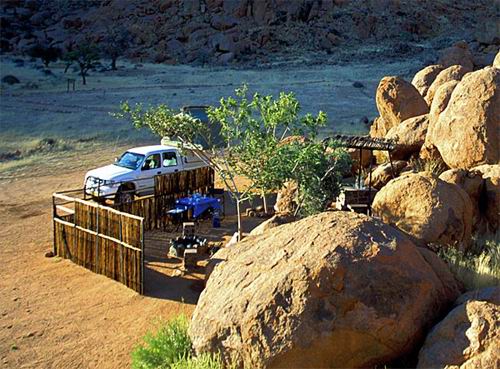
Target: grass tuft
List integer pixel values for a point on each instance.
(435, 167)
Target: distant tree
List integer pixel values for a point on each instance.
(114, 43)
(85, 54)
(45, 51)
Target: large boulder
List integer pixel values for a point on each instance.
(357, 162)
(468, 337)
(398, 100)
(441, 99)
(409, 136)
(337, 289)
(427, 208)
(379, 128)
(287, 198)
(489, 204)
(496, 62)
(385, 172)
(458, 54)
(467, 131)
(471, 182)
(424, 78)
(453, 73)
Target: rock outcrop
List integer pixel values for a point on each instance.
(469, 336)
(337, 289)
(398, 100)
(424, 78)
(467, 133)
(453, 73)
(458, 54)
(384, 173)
(409, 136)
(427, 208)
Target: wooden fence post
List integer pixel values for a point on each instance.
(122, 280)
(142, 257)
(97, 240)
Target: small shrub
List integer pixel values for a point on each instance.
(478, 267)
(169, 345)
(171, 348)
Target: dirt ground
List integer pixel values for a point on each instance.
(55, 314)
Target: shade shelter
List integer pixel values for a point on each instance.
(365, 143)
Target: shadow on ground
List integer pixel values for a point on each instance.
(166, 278)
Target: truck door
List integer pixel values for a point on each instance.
(150, 168)
(171, 162)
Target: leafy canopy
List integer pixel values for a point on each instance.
(265, 139)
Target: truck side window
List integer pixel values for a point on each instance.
(169, 159)
(151, 162)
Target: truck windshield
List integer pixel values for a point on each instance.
(130, 160)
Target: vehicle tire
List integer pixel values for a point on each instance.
(124, 196)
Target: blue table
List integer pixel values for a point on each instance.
(198, 203)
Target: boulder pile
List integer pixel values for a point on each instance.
(336, 289)
(460, 131)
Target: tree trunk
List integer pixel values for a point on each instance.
(264, 201)
(83, 73)
(238, 212)
(113, 63)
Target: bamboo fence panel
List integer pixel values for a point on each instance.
(103, 240)
(169, 188)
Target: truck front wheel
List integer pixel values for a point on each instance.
(124, 195)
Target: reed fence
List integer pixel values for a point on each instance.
(169, 188)
(101, 239)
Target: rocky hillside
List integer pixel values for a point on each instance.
(236, 31)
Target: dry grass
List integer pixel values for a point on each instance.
(478, 267)
(432, 166)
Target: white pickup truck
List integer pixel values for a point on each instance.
(133, 173)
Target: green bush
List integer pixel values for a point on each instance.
(171, 348)
(480, 266)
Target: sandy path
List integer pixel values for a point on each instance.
(54, 314)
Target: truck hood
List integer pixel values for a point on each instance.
(109, 172)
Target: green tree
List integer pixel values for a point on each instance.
(256, 133)
(85, 54)
(46, 53)
(114, 43)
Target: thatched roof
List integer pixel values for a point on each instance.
(363, 142)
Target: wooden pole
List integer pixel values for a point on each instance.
(54, 214)
(360, 166)
(142, 258)
(121, 247)
(392, 166)
(97, 240)
(370, 186)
